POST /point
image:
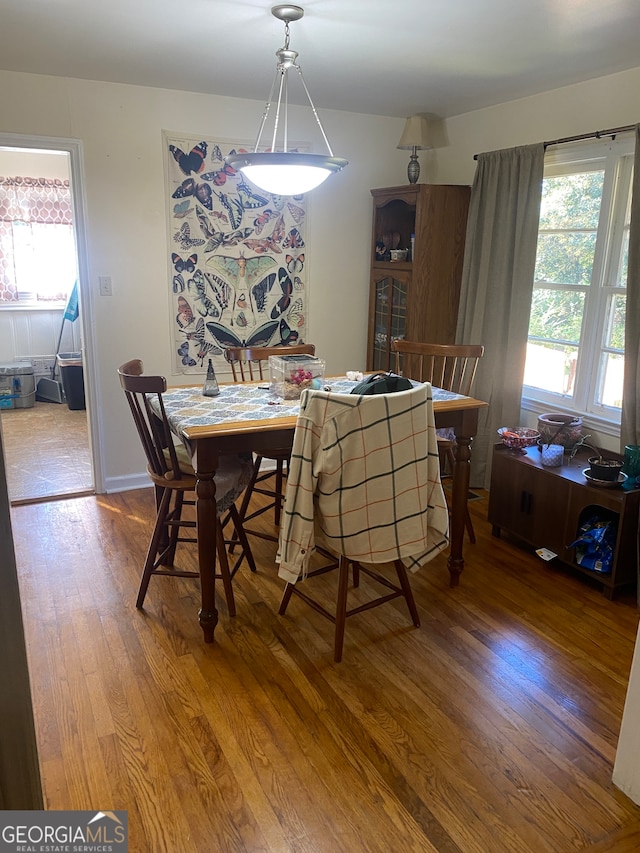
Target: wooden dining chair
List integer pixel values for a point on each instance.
(169, 467)
(451, 367)
(389, 511)
(250, 364)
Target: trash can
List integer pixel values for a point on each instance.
(72, 378)
(17, 386)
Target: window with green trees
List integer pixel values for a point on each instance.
(575, 351)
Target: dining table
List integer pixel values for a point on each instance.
(250, 417)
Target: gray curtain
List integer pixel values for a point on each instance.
(630, 428)
(497, 283)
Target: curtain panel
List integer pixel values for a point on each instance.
(41, 206)
(630, 426)
(497, 286)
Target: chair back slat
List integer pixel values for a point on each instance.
(251, 364)
(449, 366)
(154, 431)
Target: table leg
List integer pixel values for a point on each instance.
(205, 465)
(460, 493)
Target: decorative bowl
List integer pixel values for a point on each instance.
(605, 469)
(517, 438)
(557, 428)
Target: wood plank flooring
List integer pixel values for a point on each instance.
(490, 729)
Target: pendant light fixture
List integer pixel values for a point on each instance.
(279, 170)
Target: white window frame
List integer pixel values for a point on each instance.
(616, 157)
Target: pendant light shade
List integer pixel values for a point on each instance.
(279, 170)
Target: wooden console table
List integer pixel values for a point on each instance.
(545, 507)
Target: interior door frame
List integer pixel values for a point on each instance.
(91, 380)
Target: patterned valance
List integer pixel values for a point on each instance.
(43, 200)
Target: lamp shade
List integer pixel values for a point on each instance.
(415, 133)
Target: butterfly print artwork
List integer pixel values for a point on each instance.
(236, 257)
(193, 161)
(198, 289)
(219, 176)
(263, 218)
(242, 272)
(181, 209)
(260, 337)
(196, 334)
(295, 315)
(222, 291)
(181, 265)
(184, 238)
(270, 243)
(288, 336)
(239, 269)
(233, 206)
(294, 265)
(260, 291)
(202, 192)
(249, 199)
(207, 348)
(296, 212)
(183, 353)
(293, 240)
(185, 314)
(286, 285)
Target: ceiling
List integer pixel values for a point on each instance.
(443, 57)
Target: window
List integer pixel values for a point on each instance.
(37, 245)
(575, 351)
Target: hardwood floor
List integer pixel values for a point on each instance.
(490, 729)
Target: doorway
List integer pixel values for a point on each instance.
(47, 437)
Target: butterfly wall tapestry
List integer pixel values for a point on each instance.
(236, 258)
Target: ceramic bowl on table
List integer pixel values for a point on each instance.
(517, 438)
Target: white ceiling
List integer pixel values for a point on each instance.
(443, 57)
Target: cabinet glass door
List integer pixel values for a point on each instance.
(390, 318)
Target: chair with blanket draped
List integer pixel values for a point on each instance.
(364, 485)
(169, 467)
(451, 367)
(251, 364)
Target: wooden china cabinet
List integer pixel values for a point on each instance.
(417, 298)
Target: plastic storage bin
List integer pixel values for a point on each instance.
(72, 378)
(291, 374)
(17, 386)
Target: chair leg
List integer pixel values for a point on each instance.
(341, 608)
(286, 598)
(244, 504)
(225, 574)
(279, 487)
(469, 525)
(156, 536)
(408, 592)
(241, 537)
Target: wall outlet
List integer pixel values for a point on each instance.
(106, 288)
